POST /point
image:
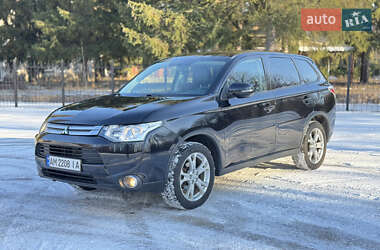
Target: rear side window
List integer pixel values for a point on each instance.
(249, 71)
(306, 71)
(283, 73)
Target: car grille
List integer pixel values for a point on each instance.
(63, 129)
(61, 175)
(87, 155)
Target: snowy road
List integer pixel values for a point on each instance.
(270, 206)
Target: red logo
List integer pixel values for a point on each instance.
(321, 19)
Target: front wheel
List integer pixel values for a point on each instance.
(313, 148)
(191, 176)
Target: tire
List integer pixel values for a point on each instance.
(188, 187)
(313, 148)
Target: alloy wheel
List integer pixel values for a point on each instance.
(316, 145)
(195, 176)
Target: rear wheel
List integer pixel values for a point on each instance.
(191, 176)
(313, 148)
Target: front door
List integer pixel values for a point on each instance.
(251, 121)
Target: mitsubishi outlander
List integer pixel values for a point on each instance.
(184, 120)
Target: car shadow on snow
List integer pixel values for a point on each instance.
(274, 165)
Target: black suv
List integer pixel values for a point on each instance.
(184, 120)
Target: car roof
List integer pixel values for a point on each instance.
(271, 53)
(235, 55)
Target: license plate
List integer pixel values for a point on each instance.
(63, 163)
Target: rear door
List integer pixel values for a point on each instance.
(294, 101)
(250, 121)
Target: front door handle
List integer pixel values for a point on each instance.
(269, 107)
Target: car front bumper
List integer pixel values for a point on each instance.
(104, 163)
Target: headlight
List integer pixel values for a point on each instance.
(130, 133)
(43, 126)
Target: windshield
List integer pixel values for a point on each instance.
(187, 76)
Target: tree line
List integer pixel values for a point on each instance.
(140, 32)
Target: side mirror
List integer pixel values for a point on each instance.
(240, 90)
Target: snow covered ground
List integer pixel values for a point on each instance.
(269, 206)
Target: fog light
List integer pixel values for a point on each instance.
(130, 181)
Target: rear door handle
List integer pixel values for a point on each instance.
(307, 99)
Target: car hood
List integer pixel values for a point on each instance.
(116, 109)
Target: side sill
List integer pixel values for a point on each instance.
(257, 160)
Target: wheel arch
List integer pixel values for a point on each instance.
(211, 143)
(322, 118)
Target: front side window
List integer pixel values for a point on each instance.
(177, 77)
(249, 71)
(307, 73)
(283, 73)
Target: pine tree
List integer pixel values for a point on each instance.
(17, 31)
(151, 33)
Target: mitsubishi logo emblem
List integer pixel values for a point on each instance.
(66, 131)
